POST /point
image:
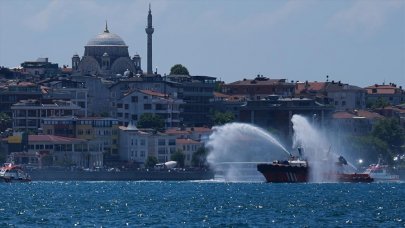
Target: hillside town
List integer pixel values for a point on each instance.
(104, 110)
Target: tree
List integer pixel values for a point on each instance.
(5, 121)
(390, 132)
(179, 157)
(370, 149)
(179, 69)
(199, 158)
(151, 161)
(148, 120)
(221, 118)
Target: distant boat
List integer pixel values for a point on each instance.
(13, 173)
(380, 173)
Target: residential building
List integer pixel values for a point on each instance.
(12, 92)
(133, 142)
(41, 68)
(341, 96)
(188, 147)
(137, 102)
(388, 93)
(358, 122)
(27, 114)
(101, 129)
(64, 89)
(197, 91)
(259, 88)
(51, 150)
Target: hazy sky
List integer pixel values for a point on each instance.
(357, 42)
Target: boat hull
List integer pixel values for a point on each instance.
(277, 173)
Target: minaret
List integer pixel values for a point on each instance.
(149, 30)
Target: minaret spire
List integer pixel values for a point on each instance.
(149, 30)
(106, 27)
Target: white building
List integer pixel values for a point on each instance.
(137, 102)
(188, 147)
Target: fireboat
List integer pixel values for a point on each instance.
(297, 170)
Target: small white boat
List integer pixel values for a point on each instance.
(380, 173)
(13, 173)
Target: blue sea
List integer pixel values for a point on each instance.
(201, 204)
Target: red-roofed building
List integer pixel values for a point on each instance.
(357, 122)
(341, 96)
(389, 93)
(259, 88)
(195, 133)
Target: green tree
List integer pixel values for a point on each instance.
(379, 103)
(370, 148)
(148, 120)
(221, 118)
(179, 69)
(391, 132)
(151, 161)
(199, 158)
(5, 121)
(179, 157)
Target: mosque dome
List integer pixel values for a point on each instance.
(106, 39)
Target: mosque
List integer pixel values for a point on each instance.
(107, 55)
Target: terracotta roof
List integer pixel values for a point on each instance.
(342, 115)
(255, 82)
(357, 113)
(310, 86)
(153, 93)
(383, 89)
(186, 141)
(187, 130)
(53, 138)
(220, 95)
(25, 84)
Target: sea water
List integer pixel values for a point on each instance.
(201, 204)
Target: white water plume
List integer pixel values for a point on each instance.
(317, 149)
(236, 148)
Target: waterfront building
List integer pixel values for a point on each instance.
(51, 150)
(390, 94)
(27, 114)
(341, 96)
(188, 147)
(98, 129)
(105, 55)
(133, 145)
(133, 142)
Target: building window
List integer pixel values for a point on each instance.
(161, 142)
(142, 154)
(147, 106)
(119, 105)
(134, 99)
(142, 142)
(126, 106)
(134, 117)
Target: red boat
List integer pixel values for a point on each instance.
(296, 170)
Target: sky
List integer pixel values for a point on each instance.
(357, 42)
